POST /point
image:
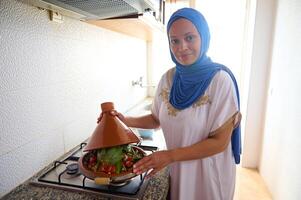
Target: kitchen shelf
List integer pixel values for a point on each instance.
(141, 27)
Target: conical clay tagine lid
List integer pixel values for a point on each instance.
(110, 131)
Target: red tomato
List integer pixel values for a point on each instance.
(112, 169)
(102, 168)
(129, 158)
(128, 163)
(108, 169)
(92, 160)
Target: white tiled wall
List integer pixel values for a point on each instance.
(53, 78)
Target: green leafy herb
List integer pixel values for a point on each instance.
(116, 155)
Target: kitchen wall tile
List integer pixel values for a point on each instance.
(19, 164)
(75, 133)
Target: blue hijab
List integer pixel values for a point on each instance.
(190, 82)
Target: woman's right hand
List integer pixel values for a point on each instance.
(114, 113)
(153, 163)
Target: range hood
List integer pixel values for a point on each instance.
(97, 9)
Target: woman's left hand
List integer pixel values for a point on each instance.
(154, 162)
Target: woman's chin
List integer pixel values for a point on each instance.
(186, 62)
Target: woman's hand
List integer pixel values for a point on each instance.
(154, 162)
(114, 113)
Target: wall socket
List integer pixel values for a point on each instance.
(56, 17)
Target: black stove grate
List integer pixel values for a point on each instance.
(58, 176)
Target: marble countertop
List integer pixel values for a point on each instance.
(157, 189)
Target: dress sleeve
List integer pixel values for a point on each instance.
(224, 102)
(165, 83)
(156, 102)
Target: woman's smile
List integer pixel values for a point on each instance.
(185, 57)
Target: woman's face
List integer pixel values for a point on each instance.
(184, 41)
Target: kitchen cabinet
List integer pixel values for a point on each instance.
(134, 19)
(141, 27)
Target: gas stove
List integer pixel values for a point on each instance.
(64, 174)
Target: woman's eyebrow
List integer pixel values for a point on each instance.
(185, 34)
(189, 33)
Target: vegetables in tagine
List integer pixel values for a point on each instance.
(113, 160)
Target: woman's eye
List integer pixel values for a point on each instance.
(174, 41)
(189, 38)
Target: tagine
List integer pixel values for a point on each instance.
(111, 150)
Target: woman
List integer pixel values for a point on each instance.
(197, 107)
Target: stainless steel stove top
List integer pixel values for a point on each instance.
(59, 177)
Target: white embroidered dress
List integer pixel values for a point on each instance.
(211, 178)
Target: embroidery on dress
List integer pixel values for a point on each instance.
(165, 96)
(173, 111)
(202, 101)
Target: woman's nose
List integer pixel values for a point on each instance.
(183, 45)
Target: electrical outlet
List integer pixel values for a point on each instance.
(56, 17)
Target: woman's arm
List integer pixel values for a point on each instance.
(212, 145)
(146, 121)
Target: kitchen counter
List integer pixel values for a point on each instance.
(156, 189)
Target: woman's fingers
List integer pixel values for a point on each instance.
(114, 113)
(118, 114)
(99, 118)
(154, 162)
(143, 165)
(153, 172)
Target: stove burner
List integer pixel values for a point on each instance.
(119, 184)
(72, 168)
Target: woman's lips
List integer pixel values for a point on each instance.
(184, 56)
